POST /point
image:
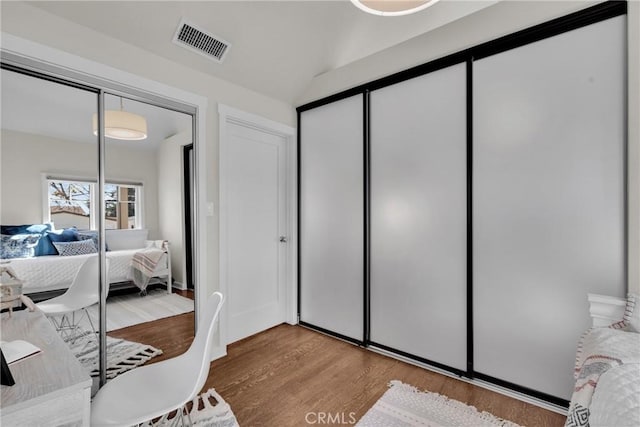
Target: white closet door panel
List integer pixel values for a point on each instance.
(548, 200)
(418, 216)
(332, 211)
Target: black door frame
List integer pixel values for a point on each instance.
(187, 173)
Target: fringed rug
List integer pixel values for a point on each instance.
(207, 410)
(405, 405)
(122, 355)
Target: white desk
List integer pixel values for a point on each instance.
(52, 388)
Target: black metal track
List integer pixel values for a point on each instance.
(469, 149)
(520, 389)
(331, 333)
(298, 171)
(367, 218)
(438, 365)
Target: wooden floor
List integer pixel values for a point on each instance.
(277, 377)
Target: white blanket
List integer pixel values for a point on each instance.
(144, 263)
(606, 358)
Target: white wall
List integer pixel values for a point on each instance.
(25, 157)
(34, 24)
(171, 200)
(495, 21)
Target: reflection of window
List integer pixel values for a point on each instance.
(121, 206)
(72, 203)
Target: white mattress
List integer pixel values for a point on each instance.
(53, 272)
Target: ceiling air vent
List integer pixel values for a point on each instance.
(199, 41)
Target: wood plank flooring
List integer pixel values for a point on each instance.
(277, 377)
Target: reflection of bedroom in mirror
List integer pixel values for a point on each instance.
(50, 212)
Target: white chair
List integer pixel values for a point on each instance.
(83, 293)
(151, 391)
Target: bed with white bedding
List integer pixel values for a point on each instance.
(53, 272)
(607, 371)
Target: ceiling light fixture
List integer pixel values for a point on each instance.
(120, 124)
(393, 7)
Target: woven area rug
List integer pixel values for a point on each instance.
(207, 410)
(405, 405)
(122, 355)
(131, 309)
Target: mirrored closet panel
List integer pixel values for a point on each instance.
(144, 204)
(53, 206)
(49, 176)
(46, 135)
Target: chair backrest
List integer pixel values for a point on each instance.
(85, 282)
(200, 350)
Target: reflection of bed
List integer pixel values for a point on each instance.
(48, 273)
(607, 389)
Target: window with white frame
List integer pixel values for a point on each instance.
(72, 202)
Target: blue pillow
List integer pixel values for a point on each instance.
(44, 246)
(18, 245)
(59, 236)
(66, 235)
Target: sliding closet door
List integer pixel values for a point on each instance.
(419, 215)
(548, 200)
(331, 217)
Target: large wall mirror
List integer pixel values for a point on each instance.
(56, 203)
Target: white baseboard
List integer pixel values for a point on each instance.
(179, 285)
(218, 352)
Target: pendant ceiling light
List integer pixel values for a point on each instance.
(122, 125)
(392, 7)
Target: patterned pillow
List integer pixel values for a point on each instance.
(80, 247)
(18, 245)
(89, 235)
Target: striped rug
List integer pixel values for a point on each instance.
(131, 309)
(405, 405)
(122, 355)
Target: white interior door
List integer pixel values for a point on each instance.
(255, 212)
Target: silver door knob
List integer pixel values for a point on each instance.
(283, 239)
